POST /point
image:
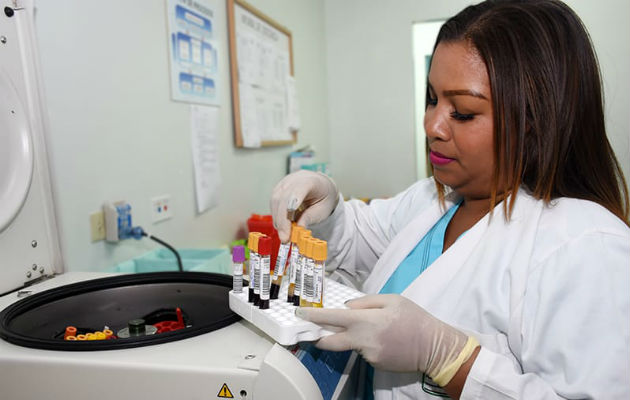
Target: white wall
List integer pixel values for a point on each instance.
(116, 134)
(370, 85)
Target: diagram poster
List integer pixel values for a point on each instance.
(193, 51)
(264, 67)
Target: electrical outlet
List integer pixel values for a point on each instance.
(97, 226)
(161, 208)
(117, 221)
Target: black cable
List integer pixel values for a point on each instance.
(168, 246)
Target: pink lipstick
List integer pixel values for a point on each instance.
(439, 159)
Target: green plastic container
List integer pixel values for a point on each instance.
(199, 260)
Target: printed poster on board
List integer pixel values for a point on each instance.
(194, 56)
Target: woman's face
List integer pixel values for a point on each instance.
(458, 120)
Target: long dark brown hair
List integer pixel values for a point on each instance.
(549, 130)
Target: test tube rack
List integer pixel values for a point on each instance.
(279, 320)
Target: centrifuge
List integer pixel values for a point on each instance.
(167, 335)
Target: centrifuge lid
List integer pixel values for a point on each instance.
(40, 320)
(16, 152)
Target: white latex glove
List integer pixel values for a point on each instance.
(393, 333)
(313, 194)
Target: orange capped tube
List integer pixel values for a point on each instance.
(256, 258)
(320, 253)
(299, 274)
(264, 251)
(293, 259)
(308, 267)
(250, 246)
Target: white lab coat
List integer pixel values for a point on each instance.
(547, 294)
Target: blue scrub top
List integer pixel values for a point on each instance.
(419, 259)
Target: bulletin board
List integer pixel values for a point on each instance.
(261, 67)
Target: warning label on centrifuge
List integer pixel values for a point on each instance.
(225, 392)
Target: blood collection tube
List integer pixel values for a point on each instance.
(252, 263)
(81, 337)
(108, 333)
(238, 257)
(71, 338)
(257, 282)
(320, 253)
(299, 273)
(307, 271)
(257, 285)
(264, 250)
(295, 232)
(250, 240)
(281, 262)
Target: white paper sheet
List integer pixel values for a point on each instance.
(204, 124)
(251, 126)
(293, 107)
(247, 56)
(278, 127)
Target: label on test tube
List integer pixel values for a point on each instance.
(253, 262)
(264, 251)
(307, 272)
(298, 275)
(256, 259)
(238, 257)
(318, 273)
(252, 276)
(281, 261)
(298, 298)
(295, 251)
(295, 231)
(294, 263)
(237, 278)
(309, 265)
(265, 270)
(320, 252)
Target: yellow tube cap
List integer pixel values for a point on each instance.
(295, 233)
(309, 242)
(257, 237)
(320, 250)
(304, 233)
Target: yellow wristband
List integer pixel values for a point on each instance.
(447, 373)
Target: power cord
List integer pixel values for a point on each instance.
(137, 232)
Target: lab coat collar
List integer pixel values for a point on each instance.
(449, 262)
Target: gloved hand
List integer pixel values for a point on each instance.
(312, 194)
(393, 333)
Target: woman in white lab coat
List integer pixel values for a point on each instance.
(507, 274)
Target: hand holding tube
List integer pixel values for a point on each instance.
(313, 196)
(393, 333)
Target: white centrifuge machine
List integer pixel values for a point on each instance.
(213, 354)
